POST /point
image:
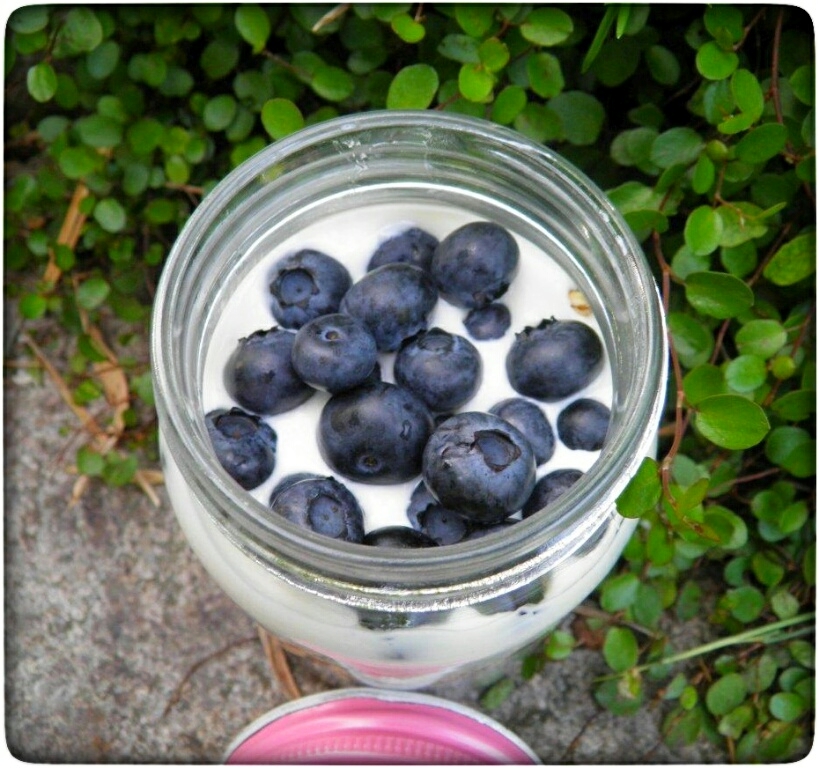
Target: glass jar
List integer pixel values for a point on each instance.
(405, 618)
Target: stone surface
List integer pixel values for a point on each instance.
(119, 647)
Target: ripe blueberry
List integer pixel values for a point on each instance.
(334, 352)
(375, 433)
(259, 374)
(474, 265)
(489, 322)
(244, 445)
(412, 246)
(442, 368)
(305, 285)
(323, 505)
(529, 419)
(549, 489)
(398, 536)
(555, 359)
(582, 424)
(393, 302)
(425, 514)
(479, 465)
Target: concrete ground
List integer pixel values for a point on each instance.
(119, 648)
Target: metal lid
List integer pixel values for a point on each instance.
(363, 726)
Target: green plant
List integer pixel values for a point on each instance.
(698, 121)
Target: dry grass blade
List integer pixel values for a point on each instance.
(277, 658)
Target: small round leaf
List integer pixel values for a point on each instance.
(414, 87)
(731, 421)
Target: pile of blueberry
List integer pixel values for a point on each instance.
(476, 470)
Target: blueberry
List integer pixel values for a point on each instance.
(393, 302)
(474, 265)
(442, 525)
(582, 425)
(244, 445)
(529, 419)
(375, 433)
(323, 505)
(478, 532)
(412, 246)
(334, 352)
(549, 489)
(479, 465)
(259, 374)
(442, 368)
(399, 537)
(528, 594)
(554, 360)
(305, 285)
(489, 322)
(289, 480)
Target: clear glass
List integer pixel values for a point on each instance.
(406, 618)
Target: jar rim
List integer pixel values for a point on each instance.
(355, 572)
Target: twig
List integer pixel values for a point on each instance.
(277, 658)
(177, 694)
(330, 16)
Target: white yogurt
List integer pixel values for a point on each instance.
(417, 655)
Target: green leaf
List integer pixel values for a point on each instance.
(545, 74)
(718, 294)
(110, 215)
(41, 81)
(731, 421)
(29, 19)
(78, 162)
(281, 117)
(219, 58)
(599, 38)
(714, 63)
(332, 83)
(103, 60)
(748, 93)
(494, 54)
(559, 645)
(92, 292)
(703, 230)
(642, 492)
(763, 338)
(475, 19)
(794, 261)
(581, 115)
(80, 32)
(508, 104)
(787, 706)
(703, 381)
(99, 131)
(414, 87)
(32, 306)
(676, 146)
(620, 649)
(692, 339)
(762, 143)
(618, 592)
(729, 527)
(802, 84)
(795, 406)
(89, 462)
(725, 694)
(253, 24)
(793, 449)
(497, 693)
(119, 470)
(219, 112)
(662, 64)
(746, 373)
(547, 26)
(409, 30)
(461, 48)
(475, 83)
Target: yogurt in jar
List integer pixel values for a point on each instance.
(402, 648)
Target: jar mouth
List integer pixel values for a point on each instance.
(389, 147)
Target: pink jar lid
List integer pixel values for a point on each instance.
(363, 726)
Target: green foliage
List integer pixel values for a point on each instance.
(697, 120)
